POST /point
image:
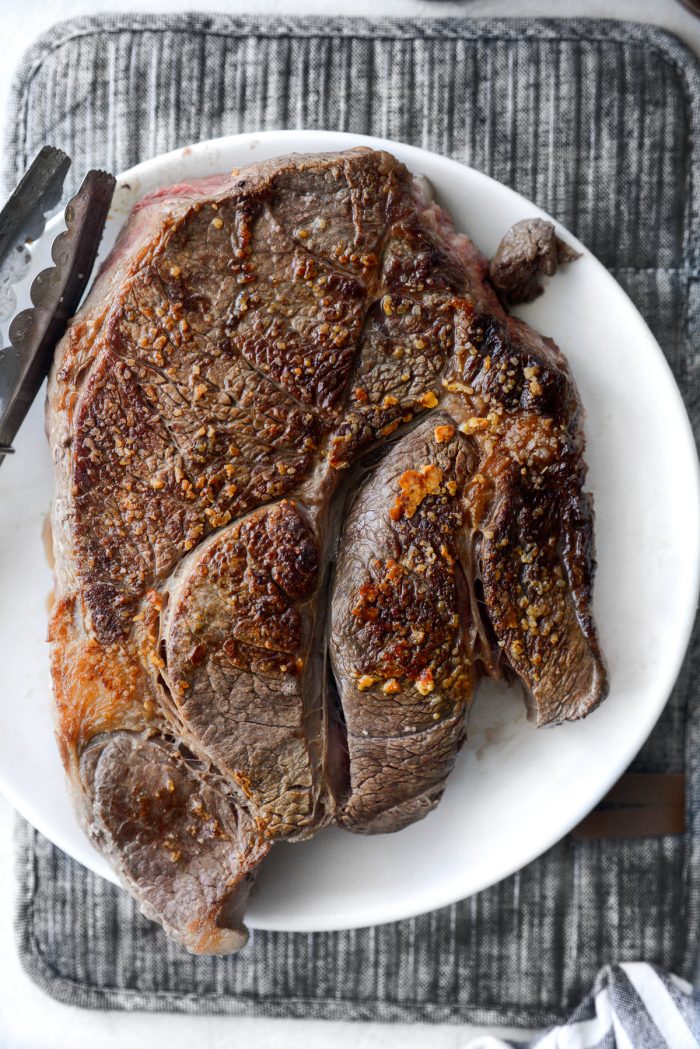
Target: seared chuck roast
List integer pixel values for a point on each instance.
(312, 483)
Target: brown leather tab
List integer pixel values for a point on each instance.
(647, 822)
(648, 788)
(640, 805)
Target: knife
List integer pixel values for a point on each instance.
(55, 292)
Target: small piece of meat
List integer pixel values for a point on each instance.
(529, 250)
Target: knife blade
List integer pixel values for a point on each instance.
(55, 293)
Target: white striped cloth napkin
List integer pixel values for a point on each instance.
(631, 1006)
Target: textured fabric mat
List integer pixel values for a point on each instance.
(596, 122)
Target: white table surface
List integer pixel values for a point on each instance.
(28, 1018)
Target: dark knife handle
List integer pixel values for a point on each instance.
(56, 293)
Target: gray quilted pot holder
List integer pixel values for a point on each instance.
(597, 123)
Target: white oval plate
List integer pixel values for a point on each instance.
(515, 790)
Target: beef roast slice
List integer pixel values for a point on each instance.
(401, 643)
(238, 634)
(175, 838)
(249, 341)
(532, 521)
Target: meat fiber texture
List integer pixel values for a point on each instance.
(312, 483)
